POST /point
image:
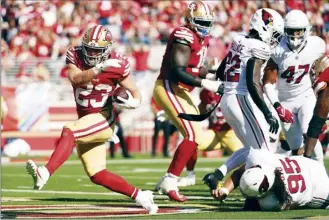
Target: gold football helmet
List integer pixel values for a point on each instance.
(96, 44)
(199, 17)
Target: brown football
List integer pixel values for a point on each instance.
(119, 92)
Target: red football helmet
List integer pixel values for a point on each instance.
(96, 44)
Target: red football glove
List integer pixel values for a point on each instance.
(284, 114)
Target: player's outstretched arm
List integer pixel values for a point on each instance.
(269, 80)
(320, 114)
(78, 77)
(254, 66)
(180, 56)
(231, 183)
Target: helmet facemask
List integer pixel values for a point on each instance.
(296, 36)
(202, 26)
(275, 39)
(94, 55)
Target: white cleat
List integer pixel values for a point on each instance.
(145, 199)
(168, 186)
(39, 174)
(189, 180)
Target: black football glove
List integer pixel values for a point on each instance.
(273, 123)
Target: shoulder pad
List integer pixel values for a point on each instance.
(260, 50)
(183, 33)
(70, 55)
(318, 44)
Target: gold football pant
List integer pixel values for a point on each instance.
(91, 132)
(225, 139)
(174, 99)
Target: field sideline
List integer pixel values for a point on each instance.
(70, 194)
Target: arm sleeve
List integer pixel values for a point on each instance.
(220, 73)
(253, 84)
(185, 77)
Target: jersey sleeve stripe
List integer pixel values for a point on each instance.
(70, 59)
(70, 53)
(189, 39)
(185, 33)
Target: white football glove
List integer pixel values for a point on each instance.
(130, 103)
(105, 64)
(211, 76)
(213, 86)
(161, 116)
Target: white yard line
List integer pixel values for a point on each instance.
(91, 193)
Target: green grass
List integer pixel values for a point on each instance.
(143, 174)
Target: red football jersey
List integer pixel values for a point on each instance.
(94, 97)
(216, 120)
(198, 47)
(321, 81)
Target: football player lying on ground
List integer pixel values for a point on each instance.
(274, 182)
(94, 72)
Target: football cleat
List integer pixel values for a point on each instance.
(145, 199)
(168, 186)
(189, 180)
(39, 174)
(212, 179)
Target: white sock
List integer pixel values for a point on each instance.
(235, 160)
(189, 172)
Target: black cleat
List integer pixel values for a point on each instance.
(212, 179)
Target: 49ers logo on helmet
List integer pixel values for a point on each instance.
(193, 6)
(267, 17)
(108, 36)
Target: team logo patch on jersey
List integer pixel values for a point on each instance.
(267, 17)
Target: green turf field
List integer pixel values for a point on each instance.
(75, 196)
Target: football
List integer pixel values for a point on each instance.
(119, 92)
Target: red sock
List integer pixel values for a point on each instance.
(192, 161)
(62, 151)
(114, 183)
(183, 153)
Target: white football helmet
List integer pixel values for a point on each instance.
(296, 28)
(269, 25)
(256, 181)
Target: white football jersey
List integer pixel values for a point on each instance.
(241, 50)
(296, 171)
(294, 67)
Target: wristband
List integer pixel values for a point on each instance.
(276, 105)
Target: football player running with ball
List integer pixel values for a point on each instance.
(290, 66)
(181, 71)
(243, 103)
(94, 72)
(272, 182)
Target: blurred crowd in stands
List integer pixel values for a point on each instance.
(33, 28)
